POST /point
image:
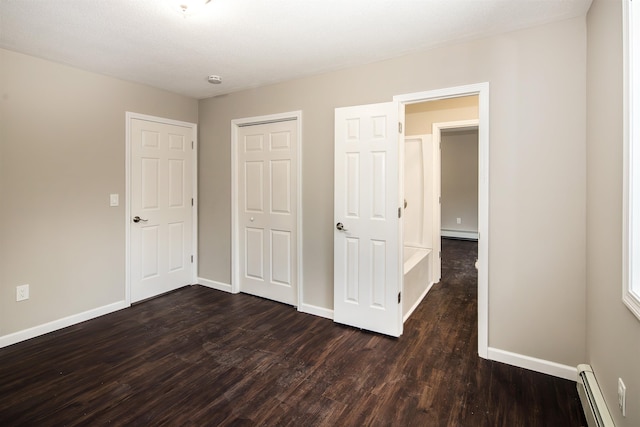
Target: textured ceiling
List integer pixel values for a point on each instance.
(251, 43)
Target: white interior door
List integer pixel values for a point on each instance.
(367, 234)
(161, 198)
(267, 205)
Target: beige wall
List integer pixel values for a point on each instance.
(537, 174)
(420, 117)
(613, 333)
(62, 152)
(459, 180)
(419, 120)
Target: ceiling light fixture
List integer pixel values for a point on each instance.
(188, 7)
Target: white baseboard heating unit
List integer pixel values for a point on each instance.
(593, 404)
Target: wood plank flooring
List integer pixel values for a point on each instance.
(200, 357)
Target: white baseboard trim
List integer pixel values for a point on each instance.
(533, 364)
(55, 325)
(316, 311)
(303, 308)
(417, 303)
(225, 287)
(458, 234)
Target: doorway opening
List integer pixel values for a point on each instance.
(459, 181)
(480, 95)
(440, 188)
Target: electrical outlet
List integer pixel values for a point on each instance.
(22, 292)
(459, 220)
(622, 397)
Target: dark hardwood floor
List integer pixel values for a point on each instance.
(199, 357)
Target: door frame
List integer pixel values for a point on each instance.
(235, 233)
(436, 131)
(129, 116)
(482, 91)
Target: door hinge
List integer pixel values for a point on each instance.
(399, 212)
(191, 259)
(399, 127)
(192, 201)
(192, 145)
(399, 297)
(440, 199)
(439, 254)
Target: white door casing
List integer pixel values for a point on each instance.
(267, 193)
(367, 228)
(161, 187)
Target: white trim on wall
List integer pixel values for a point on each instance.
(533, 364)
(235, 125)
(482, 90)
(225, 287)
(631, 158)
(55, 325)
(459, 234)
(316, 311)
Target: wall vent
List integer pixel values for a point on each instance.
(593, 404)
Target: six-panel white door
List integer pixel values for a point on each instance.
(367, 255)
(161, 207)
(267, 192)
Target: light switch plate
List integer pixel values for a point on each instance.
(22, 292)
(114, 200)
(622, 397)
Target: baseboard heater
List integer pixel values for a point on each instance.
(593, 404)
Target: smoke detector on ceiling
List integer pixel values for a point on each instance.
(213, 79)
